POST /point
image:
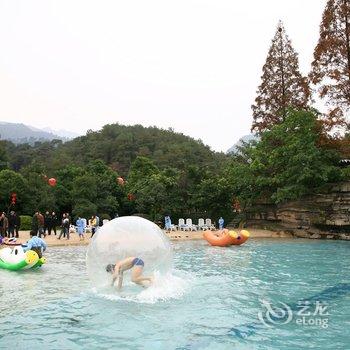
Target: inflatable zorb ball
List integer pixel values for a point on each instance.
(123, 237)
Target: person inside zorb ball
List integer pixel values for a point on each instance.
(128, 245)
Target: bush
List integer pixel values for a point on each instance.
(104, 217)
(26, 222)
(346, 173)
(84, 209)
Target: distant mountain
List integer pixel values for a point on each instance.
(21, 133)
(243, 139)
(62, 133)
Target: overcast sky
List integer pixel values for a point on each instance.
(190, 65)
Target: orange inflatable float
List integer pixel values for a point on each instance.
(226, 238)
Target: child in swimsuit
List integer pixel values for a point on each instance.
(134, 263)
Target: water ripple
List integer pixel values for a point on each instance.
(212, 293)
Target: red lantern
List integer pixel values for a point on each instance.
(120, 181)
(52, 182)
(131, 197)
(13, 198)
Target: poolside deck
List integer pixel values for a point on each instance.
(52, 240)
(255, 233)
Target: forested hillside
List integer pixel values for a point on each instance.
(119, 145)
(119, 169)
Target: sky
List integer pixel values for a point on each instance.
(190, 65)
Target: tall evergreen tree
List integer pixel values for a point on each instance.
(282, 85)
(331, 65)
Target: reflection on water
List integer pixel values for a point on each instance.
(212, 292)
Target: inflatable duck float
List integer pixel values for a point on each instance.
(16, 259)
(226, 238)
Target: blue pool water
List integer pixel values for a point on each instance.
(211, 301)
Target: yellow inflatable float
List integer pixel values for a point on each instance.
(226, 238)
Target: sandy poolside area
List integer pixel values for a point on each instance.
(53, 240)
(254, 233)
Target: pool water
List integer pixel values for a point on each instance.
(212, 300)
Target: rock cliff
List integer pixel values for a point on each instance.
(324, 215)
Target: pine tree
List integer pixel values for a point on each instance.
(282, 85)
(331, 65)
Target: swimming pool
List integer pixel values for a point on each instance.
(212, 301)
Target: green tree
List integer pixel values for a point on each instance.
(154, 195)
(214, 197)
(84, 187)
(97, 184)
(12, 182)
(286, 164)
(84, 208)
(282, 85)
(4, 159)
(39, 195)
(64, 198)
(331, 66)
(109, 194)
(67, 174)
(140, 169)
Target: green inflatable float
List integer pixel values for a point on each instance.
(15, 259)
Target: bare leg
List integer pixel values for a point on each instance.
(136, 276)
(120, 280)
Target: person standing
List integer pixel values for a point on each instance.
(54, 223)
(221, 223)
(11, 221)
(17, 224)
(4, 225)
(81, 228)
(93, 225)
(41, 224)
(65, 226)
(35, 223)
(167, 223)
(63, 233)
(1, 221)
(47, 222)
(97, 224)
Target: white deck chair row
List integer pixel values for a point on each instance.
(189, 226)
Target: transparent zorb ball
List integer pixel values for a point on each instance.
(123, 237)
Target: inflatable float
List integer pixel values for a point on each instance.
(226, 238)
(16, 259)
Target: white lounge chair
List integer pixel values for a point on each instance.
(202, 225)
(182, 225)
(190, 225)
(209, 224)
(173, 227)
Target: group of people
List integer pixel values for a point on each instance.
(41, 226)
(10, 224)
(47, 223)
(44, 223)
